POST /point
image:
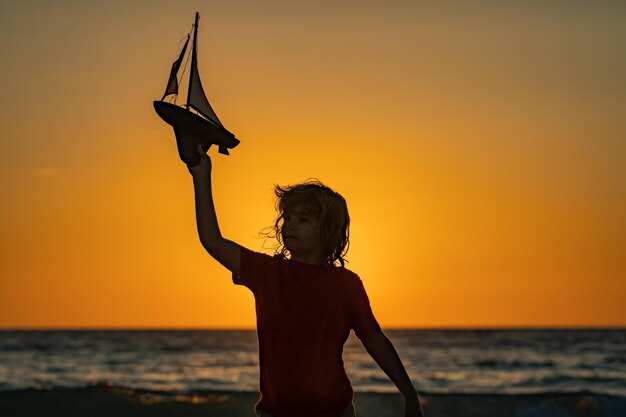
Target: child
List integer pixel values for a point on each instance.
(305, 304)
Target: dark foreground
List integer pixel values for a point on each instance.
(102, 400)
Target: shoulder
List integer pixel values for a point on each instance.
(343, 271)
(260, 263)
(349, 278)
(249, 253)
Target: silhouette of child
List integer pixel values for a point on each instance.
(306, 305)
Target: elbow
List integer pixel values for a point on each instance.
(376, 337)
(213, 245)
(209, 244)
(209, 237)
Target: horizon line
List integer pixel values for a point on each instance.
(391, 328)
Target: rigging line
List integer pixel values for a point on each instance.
(180, 42)
(182, 74)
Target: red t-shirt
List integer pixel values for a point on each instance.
(304, 316)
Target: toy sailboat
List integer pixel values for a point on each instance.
(192, 129)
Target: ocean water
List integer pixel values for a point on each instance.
(438, 361)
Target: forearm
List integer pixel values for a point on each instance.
(206, 219)
(385, 355)
(222, 250)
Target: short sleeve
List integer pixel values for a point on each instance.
(253, 268)
(364, 323)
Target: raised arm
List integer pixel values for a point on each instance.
(222, 250)
(385, 355)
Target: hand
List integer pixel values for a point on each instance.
(413, 408)
(203, 168)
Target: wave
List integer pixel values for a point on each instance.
(514, 364)
(101, 386)
(108, 386)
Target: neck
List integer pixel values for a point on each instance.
(311, 259)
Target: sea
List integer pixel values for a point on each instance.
(480, 361)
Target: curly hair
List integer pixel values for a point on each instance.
(330, 208)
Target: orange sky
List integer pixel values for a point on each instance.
(480, 148)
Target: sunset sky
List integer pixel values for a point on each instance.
(481, 147)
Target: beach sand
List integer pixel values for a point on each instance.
(104, 400)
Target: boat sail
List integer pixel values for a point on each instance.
(193, 129)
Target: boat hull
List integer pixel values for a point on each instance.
(192, 130)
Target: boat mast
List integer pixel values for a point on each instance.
(193, 58)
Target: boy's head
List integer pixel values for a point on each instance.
(327, 207)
